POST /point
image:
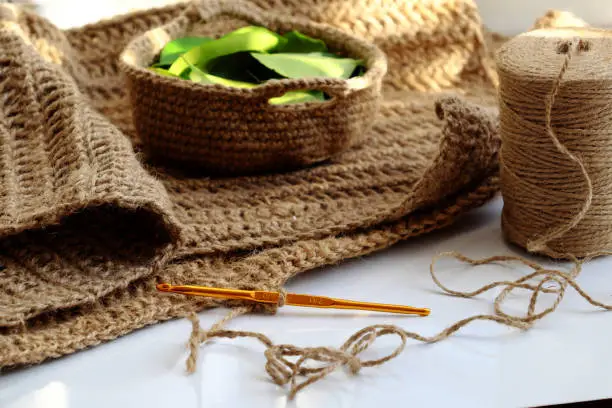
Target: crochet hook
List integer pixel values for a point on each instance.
(293, 299)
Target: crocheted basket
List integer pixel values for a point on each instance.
(237, 131)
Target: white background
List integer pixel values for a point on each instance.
(514, 16)
(506, 16)
(564, 358)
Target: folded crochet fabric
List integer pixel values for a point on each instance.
(87, 225)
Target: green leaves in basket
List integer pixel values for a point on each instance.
(245, 39)
(201, 77)
(241, 66)
(197, 75)
(252, 55)
(298, 42)
(293, 65)
(178, 47)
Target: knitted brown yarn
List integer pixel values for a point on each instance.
(237, 131)
(554, 87)
(88, 226)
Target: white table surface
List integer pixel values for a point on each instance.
(565, 358)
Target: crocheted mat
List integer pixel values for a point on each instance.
(87, 225)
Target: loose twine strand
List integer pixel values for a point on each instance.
(286, 364)
(540, 244)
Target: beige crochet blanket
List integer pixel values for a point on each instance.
(87, 225)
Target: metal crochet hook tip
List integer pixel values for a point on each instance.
(293, 299)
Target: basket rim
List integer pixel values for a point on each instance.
(152, 41)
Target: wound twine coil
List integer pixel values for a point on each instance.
(555, 95)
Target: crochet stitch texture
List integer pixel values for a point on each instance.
(88, 225)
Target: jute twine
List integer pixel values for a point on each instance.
(557, 187)
(301, 366)
(556, 129)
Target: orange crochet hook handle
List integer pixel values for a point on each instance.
(293, 299)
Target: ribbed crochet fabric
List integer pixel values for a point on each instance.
(88, 225)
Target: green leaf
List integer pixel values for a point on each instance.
(290, 97)
(197, 75)
(177, 47)
(241, 66)
(293, 97)
(245, 39)
(298, 42)
(162, 71)
(326, 54)
(292, 65)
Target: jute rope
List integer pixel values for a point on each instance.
(556, 143)
(286, 364)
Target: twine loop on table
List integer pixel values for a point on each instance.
(286, 364)
(283, 370)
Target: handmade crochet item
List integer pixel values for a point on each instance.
(234, 131)
(88, 225)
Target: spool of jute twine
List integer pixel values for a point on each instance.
(555, 96)
(555, 100)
